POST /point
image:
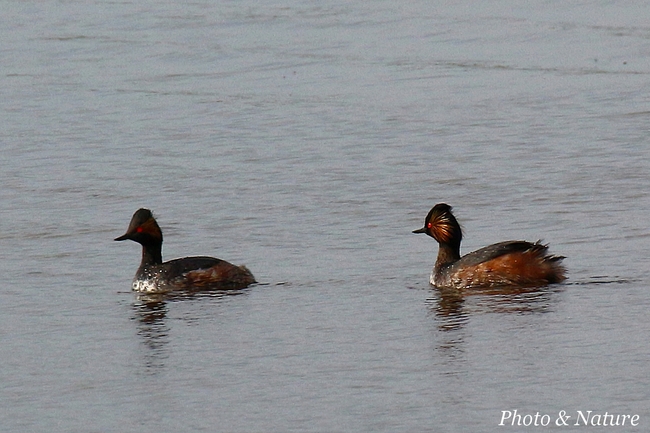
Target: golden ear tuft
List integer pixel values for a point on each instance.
(442, 228)
(442, 224)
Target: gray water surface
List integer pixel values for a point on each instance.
(306, 141)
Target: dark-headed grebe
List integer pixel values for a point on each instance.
(510, 263)
(189, 273)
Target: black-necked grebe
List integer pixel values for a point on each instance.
(189, 273)
(510, 263)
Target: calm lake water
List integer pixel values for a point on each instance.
(306, 140)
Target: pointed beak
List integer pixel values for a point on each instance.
(422, 230)
(125, 236)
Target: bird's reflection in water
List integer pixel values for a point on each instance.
(150, 314)
(153, 330)
(535, 300)
(453, 309)
(448, 309)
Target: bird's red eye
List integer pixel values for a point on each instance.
(429, 225)
(139, 230)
